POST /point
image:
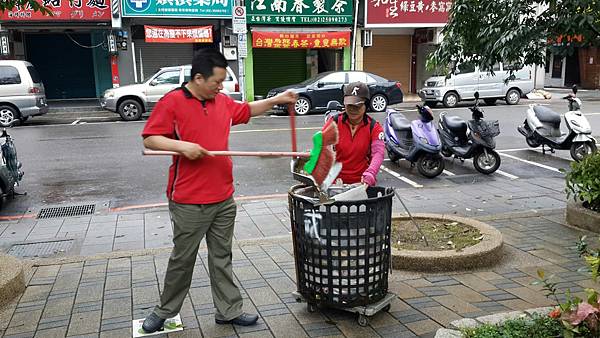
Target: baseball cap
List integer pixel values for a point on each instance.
(355, 93)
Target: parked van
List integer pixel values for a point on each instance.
(22, 92)
(468, 79)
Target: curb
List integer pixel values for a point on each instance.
(495, 319)
(485, 253)
(12, 279)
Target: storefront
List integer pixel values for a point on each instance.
(403, 34)
(289, 44)
(69, 49)
(166, 33)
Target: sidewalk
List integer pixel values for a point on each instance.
(98, 296)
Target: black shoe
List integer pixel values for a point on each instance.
(242, 320)
(153, 323)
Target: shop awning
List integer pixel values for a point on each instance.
(175, 34)
(298, 38)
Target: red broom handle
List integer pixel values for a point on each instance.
(292, 112)
(233, 153)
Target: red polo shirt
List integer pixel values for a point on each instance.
(180, 115)
(354, 152)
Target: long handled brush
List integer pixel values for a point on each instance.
(320, 158)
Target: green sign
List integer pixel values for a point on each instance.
(300, 12)
(178, 8)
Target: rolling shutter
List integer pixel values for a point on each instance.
(275, 68)
(390, 57)
(156, 55)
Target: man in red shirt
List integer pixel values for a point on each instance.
(360, 148)
(194, 120)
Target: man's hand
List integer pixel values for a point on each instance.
(286, 97)
(193, 151)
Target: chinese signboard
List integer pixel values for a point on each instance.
(300, 40)
(177, 8)
(319, 12)
(76, 10)
(194, 34)
(390, 13)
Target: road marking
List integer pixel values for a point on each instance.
(514, 149)
(532, 163)
(75, 122)
(505, 174)
(586, 114)
(449, 173)
(401, 178)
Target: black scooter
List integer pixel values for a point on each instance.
(473, 139)
(10, 167)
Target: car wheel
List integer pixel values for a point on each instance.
(513, 96)
(130, 110)
(450, 100)
(490, 102)
(378, 103)
(302, 106)
(8, 115)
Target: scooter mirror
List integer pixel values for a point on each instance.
(334, 105)
(574, 89)
(476, 95)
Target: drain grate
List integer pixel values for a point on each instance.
(70, 211)
(41, 249)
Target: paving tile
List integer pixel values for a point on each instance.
(456, 304)
(465, 293)
(441, 315)
(84, 323)
(351, 329)
(56, 332)
(423, 327)
(404, 291)
(474, 282)
(285, 326)
(210, 329)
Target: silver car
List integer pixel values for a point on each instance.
(131, 101)
(468, 79)
(22, 92)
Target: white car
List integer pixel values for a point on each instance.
(132, 101)
(468, 79)
(22, 92)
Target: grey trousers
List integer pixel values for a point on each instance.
(191, 222)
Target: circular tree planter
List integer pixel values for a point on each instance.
(12, 280)
(485, 253)
(583, 218)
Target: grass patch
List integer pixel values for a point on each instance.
(535, 327)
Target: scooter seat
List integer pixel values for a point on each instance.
(399, 122)
(545, 114)
(455, 124)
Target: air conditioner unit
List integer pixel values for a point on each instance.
(367, 40)
(230, 53)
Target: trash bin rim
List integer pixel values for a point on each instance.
(388, 193)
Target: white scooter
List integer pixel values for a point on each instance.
(542, 127)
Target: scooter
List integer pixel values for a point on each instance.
(542, 127)
(473, 139)
(416, 141)
(10, 167)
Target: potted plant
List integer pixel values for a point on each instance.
(583, 185)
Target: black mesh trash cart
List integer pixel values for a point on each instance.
(342, 251)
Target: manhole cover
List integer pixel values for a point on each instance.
(68, 211)
(40, 249)
(469, 179)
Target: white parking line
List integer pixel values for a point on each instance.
(402, 178)
(75, 122)
(505, 174)
(449, 173)
(513, 149)
(531, 162)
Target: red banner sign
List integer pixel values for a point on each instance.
(172, 34)
(300, 40)
(389, 13)
(62, 10)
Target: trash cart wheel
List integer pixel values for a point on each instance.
(387, 308)
(363, 320)
(311, 307)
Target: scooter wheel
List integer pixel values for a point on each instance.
(580, 150)
(430, 165)
(532, 142)
(393, 157)
(486, 164)
(446, 152)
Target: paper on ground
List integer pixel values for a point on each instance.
(171, 325)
